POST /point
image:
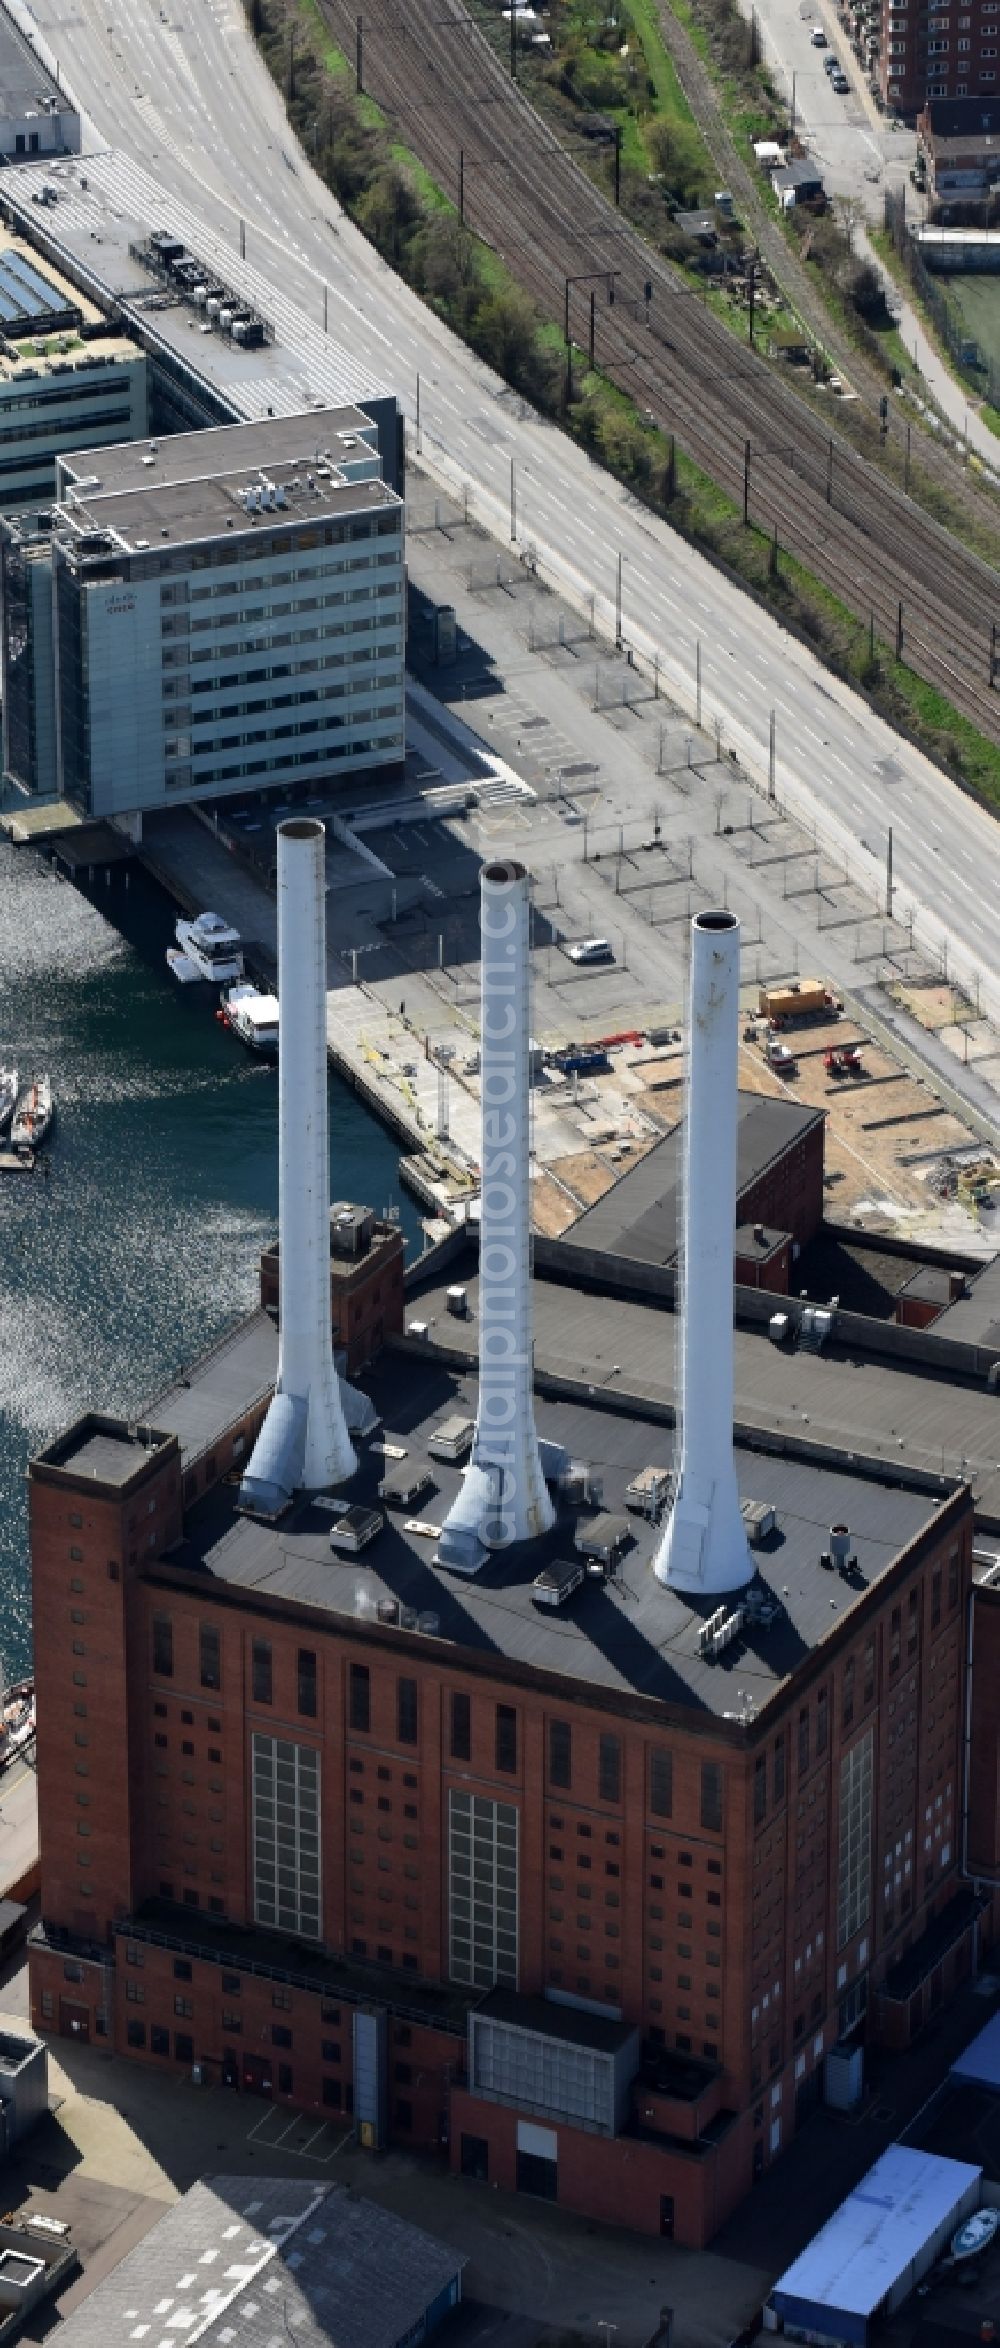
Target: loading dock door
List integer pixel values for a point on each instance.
(74, 2020)
(537, 2161)
(257, 2075)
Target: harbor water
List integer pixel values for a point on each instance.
(140, 1243)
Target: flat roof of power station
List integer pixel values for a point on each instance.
(628, 1635)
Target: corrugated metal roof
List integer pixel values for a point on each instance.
(877, 2232)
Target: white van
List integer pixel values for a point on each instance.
(591, 950)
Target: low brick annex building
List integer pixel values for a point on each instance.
(563, 1890)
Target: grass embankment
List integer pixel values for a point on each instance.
(414, 227)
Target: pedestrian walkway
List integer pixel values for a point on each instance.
(944, 388)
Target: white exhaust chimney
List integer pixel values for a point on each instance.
(504, 1497)
(303, 1444)
(704, 1546)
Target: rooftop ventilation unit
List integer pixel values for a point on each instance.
(760, 1519)
(815, 1326)
(720, 1630)
(838, 1558)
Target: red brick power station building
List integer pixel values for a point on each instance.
(580, 1893)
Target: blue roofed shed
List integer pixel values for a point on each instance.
(868, 2257)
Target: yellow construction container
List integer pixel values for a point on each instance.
(798, 998)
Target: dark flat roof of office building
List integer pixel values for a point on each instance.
(629, 1636)
(23, 77)
(222, 449)
(107, 207)
(640, 1215)
(547, 2017)
(191, 508)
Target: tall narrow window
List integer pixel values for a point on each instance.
(847, 1693)
(609, 1772)
(560, 1753)
(406, 1711)
(361, 1698)
(286, 1837)
(854, 1867)
(711, 1796)
(461, 1726)
(779, 1769)
(506, 1737)
(661, 1782)
(307, 1683)
(163, 1645)
(482, 1891)
(262, 1673)
(760, 1789)
(210, 1656)
(822, 1722)
(803, 1740)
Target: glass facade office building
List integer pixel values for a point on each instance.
(228, 615)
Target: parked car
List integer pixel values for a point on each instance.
(818, 37)
(831, 64)
(590, 950)
(840, 83)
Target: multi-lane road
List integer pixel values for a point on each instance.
(180, 88)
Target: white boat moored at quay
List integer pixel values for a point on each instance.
(206, 948)
(252, 1016)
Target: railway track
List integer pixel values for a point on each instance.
(445, 91)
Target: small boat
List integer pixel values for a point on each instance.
(182, 968)
(209, 948)
(252, 1016)
(32, 1115)
(976, 2233)
(8, 1095)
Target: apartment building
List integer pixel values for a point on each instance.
(934, 50)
